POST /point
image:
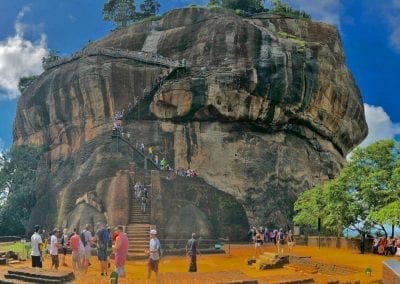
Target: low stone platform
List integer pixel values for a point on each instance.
(229, 277)
(268, 260)
(31, 275)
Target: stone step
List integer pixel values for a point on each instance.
(39, 276)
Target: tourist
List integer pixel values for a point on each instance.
(101, 238)
(143, 204)
(290, 240)
(280, 241)
(53, 249)
(192, 251)
(74, 243)
(154, 253)
(36, 252)
(86, 238)
(120, 250)
(257, 242)
(163, 163)
(64, 245)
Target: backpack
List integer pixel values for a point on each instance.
(83, 239)
(104, 236)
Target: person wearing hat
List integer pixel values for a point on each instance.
(36, 253)
(192, 251)
(53, 249)
(120, 250)
(154, 253)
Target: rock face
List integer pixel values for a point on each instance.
(265, 110)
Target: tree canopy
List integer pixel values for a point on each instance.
(121, 12)
(250, 6)
(18, 174)
(149, 8)
(364, 195)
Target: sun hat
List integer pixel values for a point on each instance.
(153, 232)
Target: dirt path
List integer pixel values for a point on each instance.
(233, 267)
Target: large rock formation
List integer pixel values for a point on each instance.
(266, 110)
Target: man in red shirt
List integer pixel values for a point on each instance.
(74, 243)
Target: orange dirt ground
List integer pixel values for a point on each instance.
(231, 267)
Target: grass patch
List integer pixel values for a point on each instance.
(22, 248)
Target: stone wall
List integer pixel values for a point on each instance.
(391, 272)
(334, 242)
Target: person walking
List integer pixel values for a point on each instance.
(36, 252)
(53, 249)
(154, 253)
(192, 251)
(75, 246)
(280, 241)
(120, 250)
(64, 245)
(86, 238)
(290, 240)
(101, 238)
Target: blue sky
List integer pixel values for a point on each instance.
(370, 32)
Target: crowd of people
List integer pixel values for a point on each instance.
(279, 238)
(142, 195)
(386, 246)
(106, 242)
(80, 245)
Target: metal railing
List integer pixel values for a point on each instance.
(178, 246)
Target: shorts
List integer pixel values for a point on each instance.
(87, 252)
(55, 261)
(102, 253)
(36, 261)
(76, 257)
(153, 265)
(64, 251)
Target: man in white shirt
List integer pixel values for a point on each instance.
(36, 243)
(154, 253)
(53, 249)
(86, 240)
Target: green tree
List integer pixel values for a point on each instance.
(362, 195)
(51, 57)
(18, 173)
(149, 8)
(121, 12)
(24, 82)
(214, 3)
(250, 6)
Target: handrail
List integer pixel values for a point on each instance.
(142, 56)
(118, 136)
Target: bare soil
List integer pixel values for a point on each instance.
(340, 265)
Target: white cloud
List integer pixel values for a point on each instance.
(19, 57)
(391, 14)
(327, 11)
(379, 124)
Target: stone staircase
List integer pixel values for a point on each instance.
(139, 225)
(138, 235)
(151, 42)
